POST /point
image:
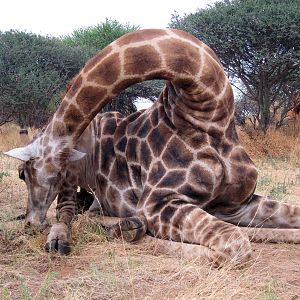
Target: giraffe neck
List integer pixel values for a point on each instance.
(197, 89)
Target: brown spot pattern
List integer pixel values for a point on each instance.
(142, 36)
(119, 173)
(141, 60)
(201, 179)
(180, 57)
(131, 149)
(72, 118)
(172, 179)
(177, 155)
(96, 59)
(109, 126)
(107, 72)
(158, 138)
(58, 129)
(90, 97)
(146, 155)
(156, 173)
(74, 86)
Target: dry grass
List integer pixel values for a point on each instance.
(10, 138)
(275, 143)
(98, 269)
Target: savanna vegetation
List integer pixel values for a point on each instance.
(34, 72)
(258, 43)
(101, 269)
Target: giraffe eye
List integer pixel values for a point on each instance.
(22, 175)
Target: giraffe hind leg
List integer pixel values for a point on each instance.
(234, 246)
(272, 235)
(264, 219)
(200, 233)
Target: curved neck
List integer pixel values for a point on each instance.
(203, 92)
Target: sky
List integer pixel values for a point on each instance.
(61, 17)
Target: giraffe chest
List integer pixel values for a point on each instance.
(133, 156)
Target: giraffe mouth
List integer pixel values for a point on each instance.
(35, 221)
(32, 228)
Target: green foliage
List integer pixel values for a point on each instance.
(99, 36)
(2, 175)
(33, 72)
(5, 294)
(258, 42)
(269, 292)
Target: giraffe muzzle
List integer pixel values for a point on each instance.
(34, 223)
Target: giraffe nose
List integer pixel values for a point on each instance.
(33, 223)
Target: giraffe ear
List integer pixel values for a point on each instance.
(22, 153)
(76, 155)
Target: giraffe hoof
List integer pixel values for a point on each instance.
(63, 248)
(130, 229)
(51, 246)
(58, 239)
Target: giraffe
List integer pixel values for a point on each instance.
(175, 171)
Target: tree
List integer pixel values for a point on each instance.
(258, 42)
(33, 72)
(96, 38)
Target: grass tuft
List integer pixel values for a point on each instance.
(102, 269)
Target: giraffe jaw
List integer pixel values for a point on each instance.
(36, 216)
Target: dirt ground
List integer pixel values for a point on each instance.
(98, 269)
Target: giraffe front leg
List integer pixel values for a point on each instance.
(272, 220)
(180, 221)
(59, 237)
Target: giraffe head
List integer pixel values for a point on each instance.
(43, 177)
